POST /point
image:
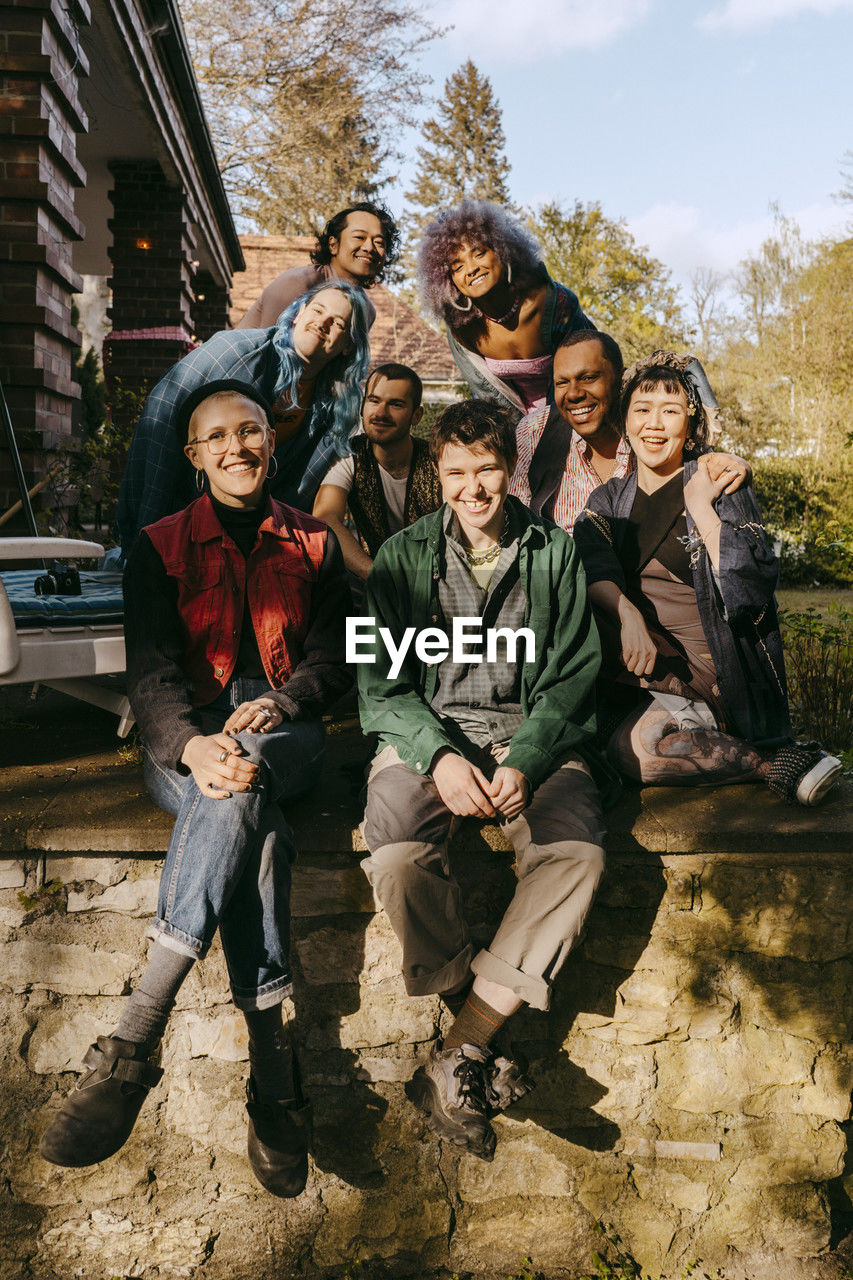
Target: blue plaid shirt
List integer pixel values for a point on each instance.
(159, 479)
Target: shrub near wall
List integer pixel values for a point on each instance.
(819, 665)
(813, 518)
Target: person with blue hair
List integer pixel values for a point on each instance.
(308, 367)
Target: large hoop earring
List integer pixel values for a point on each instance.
(509, 273)
(459, 307)
(199, 479)
(271, 475)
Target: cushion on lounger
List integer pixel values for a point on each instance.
(100, 602)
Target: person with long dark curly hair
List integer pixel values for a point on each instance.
(357, 245)
(481, 273)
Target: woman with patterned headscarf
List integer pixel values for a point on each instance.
(682, 574)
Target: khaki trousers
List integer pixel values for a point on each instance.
(559, 861)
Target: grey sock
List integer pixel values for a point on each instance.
(270, 1053)
(146, 1013)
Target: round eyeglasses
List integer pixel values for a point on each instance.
(218, 441)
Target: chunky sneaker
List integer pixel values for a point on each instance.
(803, 773)
(452, 1089)
(507, 1083)
(279, 1138)
(97, 1117)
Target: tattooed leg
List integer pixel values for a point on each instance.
(649, 747)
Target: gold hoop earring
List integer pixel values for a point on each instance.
(509, 273)
(459, 307)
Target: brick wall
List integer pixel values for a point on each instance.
(41, 64)
(152, 284)
(210, 310)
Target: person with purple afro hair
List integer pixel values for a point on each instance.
(481, 273)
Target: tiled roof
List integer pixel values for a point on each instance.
(398, 332)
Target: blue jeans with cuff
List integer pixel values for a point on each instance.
(229, 861)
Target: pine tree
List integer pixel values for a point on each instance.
(464, 149)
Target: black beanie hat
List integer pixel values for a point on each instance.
(187, 407)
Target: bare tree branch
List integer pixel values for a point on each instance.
(305, 99)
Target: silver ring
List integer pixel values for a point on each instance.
(262, 711)
(223, 756)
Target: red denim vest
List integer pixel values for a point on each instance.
(210, 575)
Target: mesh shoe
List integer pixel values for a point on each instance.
(507, 1083)
(803, 773)
(452, 1090)
(97, 1117)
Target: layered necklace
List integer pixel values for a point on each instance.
(477, 559)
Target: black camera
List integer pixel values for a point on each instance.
(60, 580)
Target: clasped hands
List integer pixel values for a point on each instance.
(468, 793)
(216, 761)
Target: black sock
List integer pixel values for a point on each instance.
(271, 1057)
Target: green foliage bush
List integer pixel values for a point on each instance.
(94, 463)
(819, 663)
(813, 519)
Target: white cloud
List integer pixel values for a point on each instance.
(528, 30)
(740, 15)
(683, 239)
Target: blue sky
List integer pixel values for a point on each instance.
(686, 118)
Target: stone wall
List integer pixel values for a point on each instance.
(694, 1073)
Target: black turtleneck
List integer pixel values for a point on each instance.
(242, 524)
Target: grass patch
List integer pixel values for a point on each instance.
(799, 599)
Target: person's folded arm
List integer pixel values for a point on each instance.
(157, 684)
(561, 714)
(594, 536)
(394, 706)
(331, 505)
(321, 676)
(747, 573)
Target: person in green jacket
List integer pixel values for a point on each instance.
(477, 662)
